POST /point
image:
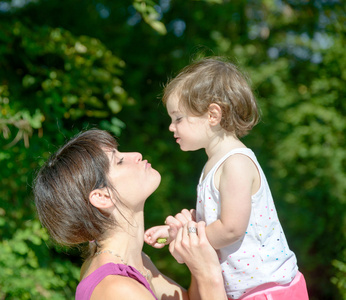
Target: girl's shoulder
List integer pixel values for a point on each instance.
(238, 163)
(239, 168)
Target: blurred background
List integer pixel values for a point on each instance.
(66, 66)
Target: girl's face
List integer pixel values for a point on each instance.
(133, 178)
(189, 131)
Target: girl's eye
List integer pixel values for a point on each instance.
(120, 161)
(178, 119)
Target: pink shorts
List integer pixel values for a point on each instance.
(295, 290)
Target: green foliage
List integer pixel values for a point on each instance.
(62, 69)
(150, 15)
(24, 276)
(339, 278)
(46, 66)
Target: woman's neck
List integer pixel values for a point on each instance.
(126, 239)
(122, 244)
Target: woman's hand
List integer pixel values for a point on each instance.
(192, 247)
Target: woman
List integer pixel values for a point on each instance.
(89, 192)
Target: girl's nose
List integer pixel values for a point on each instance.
(171, 127)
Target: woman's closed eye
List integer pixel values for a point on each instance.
(120, 161)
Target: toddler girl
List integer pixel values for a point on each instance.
(212, 106)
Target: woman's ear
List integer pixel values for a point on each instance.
(214, 114)
(100, 198)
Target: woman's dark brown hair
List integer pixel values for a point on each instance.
(63, 185)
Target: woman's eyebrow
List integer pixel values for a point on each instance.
(112, 153)
(116, 155)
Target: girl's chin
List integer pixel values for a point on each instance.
(186, 149)
(182, 148)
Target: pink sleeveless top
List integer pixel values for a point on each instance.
(86, 287)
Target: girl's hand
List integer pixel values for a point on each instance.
(180, 219)
(158, 236)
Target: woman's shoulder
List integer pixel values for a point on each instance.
(120, 287)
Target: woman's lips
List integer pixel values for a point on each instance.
(147, 164)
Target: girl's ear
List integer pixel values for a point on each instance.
(214, 114)
(100, 198)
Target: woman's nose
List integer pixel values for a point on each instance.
(133, 156)
(137, 156)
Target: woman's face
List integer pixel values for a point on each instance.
(133, 178)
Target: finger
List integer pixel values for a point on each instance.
(172, 220)
(181, 218)
(158, 245)
(167, 220)
(187, 214)
(192, 231)
(193, 226)
(193, 214)
(147, 239)
(172, 246)
(148, 233)
(186, 232)
(185, 241)
(173, 231)
(201, 232)
(150, 239)
(160, 235)
(179, 236)
(175, 246)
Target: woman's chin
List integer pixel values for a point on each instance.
(156, 181)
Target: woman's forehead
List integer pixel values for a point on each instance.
(112, 153)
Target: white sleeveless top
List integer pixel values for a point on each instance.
(262, 255)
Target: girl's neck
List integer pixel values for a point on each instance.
(221, 143)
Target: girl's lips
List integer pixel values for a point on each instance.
(177, 139)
